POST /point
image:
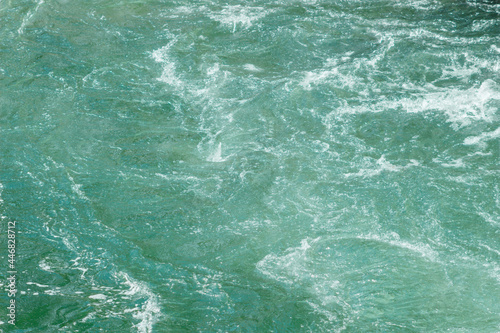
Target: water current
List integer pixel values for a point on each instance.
(251, 166)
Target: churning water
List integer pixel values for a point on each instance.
(251, 166)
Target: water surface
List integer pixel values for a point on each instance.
(262, 166)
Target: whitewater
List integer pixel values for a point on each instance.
(258, 166)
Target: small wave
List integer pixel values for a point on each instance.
(291, 263)
(325, 267)
(393, 239)
(457, 163)
(38, 284)
(462, 107)
(44, 266)
(168, 74)
(28, 17)
(233, 16)
(77, 188)
(216, 154)
(483, 137)
(150, 311)
(252, 68)
(98, 296)
(383, 165)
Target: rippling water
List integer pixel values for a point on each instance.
(263, 166)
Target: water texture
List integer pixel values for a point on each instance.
(251, 166)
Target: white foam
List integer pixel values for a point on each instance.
(233, 16)
(37, 284)
(53, 292)
(296, 269)
(480, 139)
(150, 311)
(490, 249)
(380, 54)
(183, 10)
(468, 180)
(29, 16)
(493, 220)
(316, 77)
(292, 263)
(213, 70)
(252, 68)
(462, 107)
(77, 188)
(216, 154)
(333, 74)
(383, 165)
(458, 163)
(393, 239)
(168, 74)
(98, 296)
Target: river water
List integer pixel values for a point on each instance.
(251, 166)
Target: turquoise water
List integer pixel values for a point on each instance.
(259, 166)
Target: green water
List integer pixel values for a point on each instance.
(260, 166)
